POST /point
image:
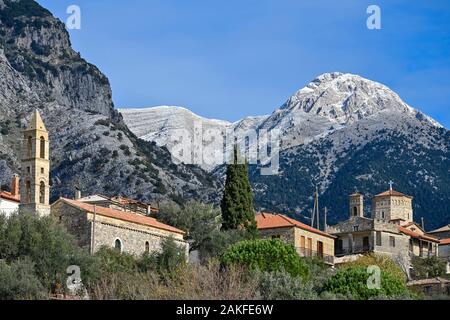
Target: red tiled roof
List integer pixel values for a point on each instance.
(8, 196)
(270, 221)
(392, 193)
(121, 215)
(416, 235)
(445, 241)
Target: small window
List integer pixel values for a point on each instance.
(42, 193)
(118, 245)
(276, 236)
(28, 170)
(42, 170)
(378, 240)
(392, 241)
(355, 228)
(147, 247)
(383, 215)
(42, 148)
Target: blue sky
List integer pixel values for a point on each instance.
(229, 59)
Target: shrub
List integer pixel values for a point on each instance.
(220, 241)
(352, 281)
(197, 219)
(280, 285)
(48, 245)
(266, 255)
(428, 267)
(18, 281)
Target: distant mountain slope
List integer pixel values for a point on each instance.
(343, 132)
(91, 146)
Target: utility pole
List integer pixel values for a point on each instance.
(316, 214)
(325, 219)
(93, 230)
(423, 224)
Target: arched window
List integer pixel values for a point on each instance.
(118, 245)
(355, 211)
(147, 247)
(42, 193)
(29, 146)
(42, 148)
(28, 191)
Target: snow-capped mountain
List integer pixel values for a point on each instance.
(330, 103)
(340, 132)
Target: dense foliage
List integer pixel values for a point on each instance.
(430, 267)
(237, 202)
(46, 245)
(266, 255)
(197, 219)
(353, 282)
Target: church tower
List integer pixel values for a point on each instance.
(356, 202)
(35, 179)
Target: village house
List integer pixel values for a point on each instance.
(95, 221)
(97, 226)
(443, 234)
(10, 201)
(390, 230)
(308, 241)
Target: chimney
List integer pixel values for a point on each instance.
(15, 186)
(77, 194)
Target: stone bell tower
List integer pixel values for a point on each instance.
(35, 177)
(356, 202)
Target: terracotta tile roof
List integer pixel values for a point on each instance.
(445, 241)
(8, 196)
(416, 235)
(392, 193)
(437, 280)
(122, 215)
(271, 221)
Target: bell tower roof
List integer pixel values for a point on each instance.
(36, 122)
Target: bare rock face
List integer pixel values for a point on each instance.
(91, 147)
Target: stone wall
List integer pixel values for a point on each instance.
(133, 237)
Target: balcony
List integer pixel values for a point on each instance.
(353, 250)
(308, 253)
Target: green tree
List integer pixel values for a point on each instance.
(267, 255)
(48, 245)
(429, 267)
(19, 282)
(237, 201)
(352, 282)
(197, 219)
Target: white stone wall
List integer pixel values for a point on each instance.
(8, 207)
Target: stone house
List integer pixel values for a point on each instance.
(96, 226)
(308, 241)
(10, 201)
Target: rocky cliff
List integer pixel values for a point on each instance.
(91, 146)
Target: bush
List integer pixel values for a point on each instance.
(280, 285)
(18, 281)
(266, 255)
(48, 245)
(429, 267)
(220, 241)
(352, 281)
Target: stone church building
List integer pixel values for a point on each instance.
(126, 227)
(389, 230)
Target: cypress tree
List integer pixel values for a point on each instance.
(237, 202)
